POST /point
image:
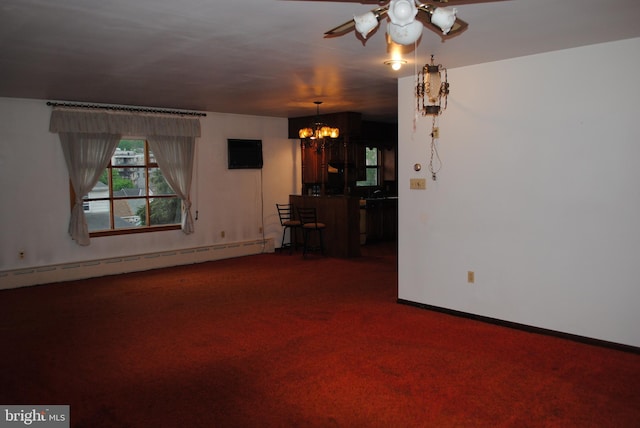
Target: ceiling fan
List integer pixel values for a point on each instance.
(407, 18)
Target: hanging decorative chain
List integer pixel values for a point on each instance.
(434, 169)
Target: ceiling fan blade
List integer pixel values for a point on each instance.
(458, 27)
(346, 1)
(341, 29)
(379, 13)
(446, 3)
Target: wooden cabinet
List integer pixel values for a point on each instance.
(382, 219)
(312, 166)
(332, 166)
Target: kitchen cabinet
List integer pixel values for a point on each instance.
(382, 219)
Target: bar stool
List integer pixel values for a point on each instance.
(286, 214)
(309, 219)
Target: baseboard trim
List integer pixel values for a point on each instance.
(39, 275)
(525, 327)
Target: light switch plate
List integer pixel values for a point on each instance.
(418, 183)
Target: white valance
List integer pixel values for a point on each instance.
(122, 123)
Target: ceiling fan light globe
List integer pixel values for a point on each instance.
(365, 23)
(444, 18)
(405, 35)
(402, 12)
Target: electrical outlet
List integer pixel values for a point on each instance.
(21, 254)
(471, 277)
(260, 229)
(222, 234)
(418, 183)
(436, 133)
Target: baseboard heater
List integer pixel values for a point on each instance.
(131, 263)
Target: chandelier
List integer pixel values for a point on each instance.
(318, 130)
(431, 89)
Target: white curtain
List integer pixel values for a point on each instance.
(175, 159)
(87, 155)
(89, 139)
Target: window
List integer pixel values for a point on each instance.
(132, 194)
(372, 167)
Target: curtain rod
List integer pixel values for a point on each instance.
(125, 108)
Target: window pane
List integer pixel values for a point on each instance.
(372, 178)
(152, 157)
(371, 157)
(129, 152)
(165, 211)
(128, 182)
(158, 184)
(371, 161)
(97, 212)
(98, 216)
(126, 212)
(100, 190)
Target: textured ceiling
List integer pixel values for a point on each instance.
(264, 57)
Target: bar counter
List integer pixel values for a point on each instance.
(341, 214)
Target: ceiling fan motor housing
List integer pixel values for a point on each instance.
(402, 12)
(405, 35)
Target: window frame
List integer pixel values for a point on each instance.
(148, 166)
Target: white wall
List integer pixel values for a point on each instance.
(538, 194)
(34, 189)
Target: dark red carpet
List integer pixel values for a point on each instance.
(277, 341)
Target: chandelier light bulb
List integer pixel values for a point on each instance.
(395, 64)
(318, 130)
(433, 84)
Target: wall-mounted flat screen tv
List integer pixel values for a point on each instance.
(244, 154)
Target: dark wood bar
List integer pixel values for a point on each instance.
(355, 208)
(341, 214)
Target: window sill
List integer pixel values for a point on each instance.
(134, 230)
